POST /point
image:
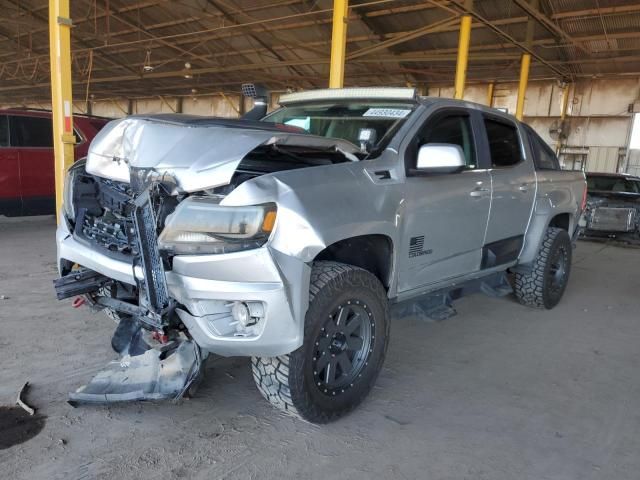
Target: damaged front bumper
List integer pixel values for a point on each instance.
(206, 287)
(153, 375)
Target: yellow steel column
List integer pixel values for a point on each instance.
(338, 43)
(490, 89)
(525, 63)
(61, 97)
(463, 53)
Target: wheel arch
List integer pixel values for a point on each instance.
(561, 220)
(372, 252)
(538, 228)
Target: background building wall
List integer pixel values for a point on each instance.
(598, 118)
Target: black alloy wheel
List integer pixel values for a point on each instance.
(343, 347)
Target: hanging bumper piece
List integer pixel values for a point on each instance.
(154, 375)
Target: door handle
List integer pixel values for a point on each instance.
(523, 188)
(479, 192)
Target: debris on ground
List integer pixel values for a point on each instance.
(19, 423)
(30, 410)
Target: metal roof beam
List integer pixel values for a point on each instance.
(547, 23)
(596, 12)
(620, 10)
(229, 15)
(105, 56)
(405, 37)
(563, 73)
(118, 16)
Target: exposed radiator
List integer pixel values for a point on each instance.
(613, 219)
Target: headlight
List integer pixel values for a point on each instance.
(67, 194)
(202, 226)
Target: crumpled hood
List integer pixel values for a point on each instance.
(198, 152)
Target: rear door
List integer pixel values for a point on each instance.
(513, 182)
(10, 194)
(33, 137)
(445, 215)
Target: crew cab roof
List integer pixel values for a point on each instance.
(395, 94)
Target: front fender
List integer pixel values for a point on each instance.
(336, 202)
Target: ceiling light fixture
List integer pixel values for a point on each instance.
(147, 67)
(187, 67)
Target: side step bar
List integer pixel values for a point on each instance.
(438, 306)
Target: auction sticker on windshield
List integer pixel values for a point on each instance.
(387, 112)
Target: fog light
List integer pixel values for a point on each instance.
(240, 313)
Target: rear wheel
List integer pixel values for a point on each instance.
(545, 283)
(345, 341)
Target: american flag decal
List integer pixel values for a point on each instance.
(416, 244)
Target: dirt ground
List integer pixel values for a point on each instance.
(499, 391)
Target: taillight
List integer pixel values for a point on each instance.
(584, 198)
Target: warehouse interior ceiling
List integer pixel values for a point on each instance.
(182, 47)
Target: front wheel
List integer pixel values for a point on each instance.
(544, 284)
(345, 341)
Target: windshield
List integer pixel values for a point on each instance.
(613, 184)
(346, 119)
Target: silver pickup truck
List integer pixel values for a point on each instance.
(289, 239)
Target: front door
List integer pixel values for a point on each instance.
(445, 216)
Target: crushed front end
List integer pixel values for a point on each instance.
(119, 221)
(183, 274)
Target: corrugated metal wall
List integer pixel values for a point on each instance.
(634, 162)
(603, 159)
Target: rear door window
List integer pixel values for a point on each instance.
(31, 132)
(4, 131)
(543, 156)
(504, 143)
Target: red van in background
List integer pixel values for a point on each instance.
(27, 184)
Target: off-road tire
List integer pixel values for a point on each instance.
(288, 382)
(535, 287)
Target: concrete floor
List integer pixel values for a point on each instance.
(498, 392)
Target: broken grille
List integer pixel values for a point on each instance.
(149, 259)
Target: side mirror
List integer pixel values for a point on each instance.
(440, 158)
